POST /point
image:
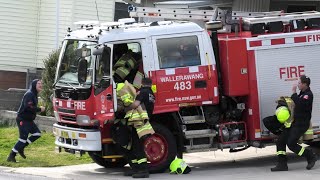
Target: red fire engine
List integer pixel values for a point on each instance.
(213, 87)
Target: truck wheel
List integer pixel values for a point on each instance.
(96, 157)
(160, 149)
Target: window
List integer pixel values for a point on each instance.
(178, 52)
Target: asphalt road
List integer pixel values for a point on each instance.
(251, 164)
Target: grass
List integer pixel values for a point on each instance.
(39, 154)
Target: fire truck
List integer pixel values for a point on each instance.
(213, 85)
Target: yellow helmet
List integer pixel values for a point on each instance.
(179, 166)
(283, 114)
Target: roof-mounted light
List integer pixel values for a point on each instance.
(127, 20)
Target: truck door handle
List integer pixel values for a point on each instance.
(109, 97)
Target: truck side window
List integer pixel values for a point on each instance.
(178, 52)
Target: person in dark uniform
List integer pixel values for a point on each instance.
(25, 116)
(145, 97)
(139, 166)
(302, 116)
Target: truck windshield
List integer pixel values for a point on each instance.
(67, 70)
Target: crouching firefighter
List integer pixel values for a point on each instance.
(25, 116)
(138, 109)
(291, 133)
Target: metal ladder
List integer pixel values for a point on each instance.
(192, 135)
(227, 17)
(193, 14)
(284, 17)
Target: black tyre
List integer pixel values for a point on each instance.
(160, 149)
(96, 157)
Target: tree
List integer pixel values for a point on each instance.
(48, 75)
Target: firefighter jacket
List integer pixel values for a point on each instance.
(303, 107)
(138, 118)
(28, 108)
(124, 66)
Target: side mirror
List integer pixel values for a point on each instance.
(83, 52)
(82, 70)
(98, 51)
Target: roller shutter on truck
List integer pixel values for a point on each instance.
(279, 61)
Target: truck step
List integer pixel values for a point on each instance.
(200, 148)
(200, 133)
(192, 119)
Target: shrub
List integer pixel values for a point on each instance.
(48, 75)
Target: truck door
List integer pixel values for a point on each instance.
(182, 76)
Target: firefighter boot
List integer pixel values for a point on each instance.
(133, 169)
(281, 165)
(311, 158)
(22, 154)
(12, 157)
(142, 172)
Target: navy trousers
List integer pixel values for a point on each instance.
(26, 128)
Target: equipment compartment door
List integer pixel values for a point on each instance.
(279, 68)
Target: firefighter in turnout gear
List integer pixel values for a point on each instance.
(126, 65)
(296, 125)
(137, 109)
(25, 116)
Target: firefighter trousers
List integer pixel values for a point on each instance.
(290, 137)
(26, 128)
(136, 156)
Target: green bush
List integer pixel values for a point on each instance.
(48, 75)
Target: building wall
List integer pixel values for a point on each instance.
(31, 29)
(278, 5)
(251, 5)
(18, 21)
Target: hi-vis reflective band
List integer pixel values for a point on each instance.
(29, 141)
(14, 150)
(154, 88)
(144, 115)
(301, 151)
(120, 63)
(147, 126)
(122, 72)
(131, 63)
(142, 160)
(281, 153)
(127, 99)
(23, 141)
(36, 134)
(287, 124)
(135, 161)
(309, 131)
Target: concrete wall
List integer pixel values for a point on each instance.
(9, 118)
